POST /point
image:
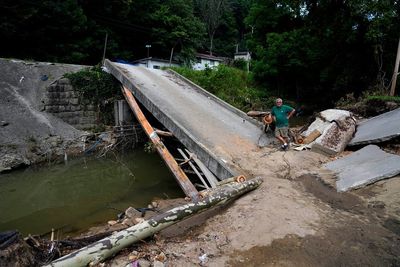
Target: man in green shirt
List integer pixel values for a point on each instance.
(281, 115)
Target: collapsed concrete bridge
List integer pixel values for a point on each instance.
(215, 131)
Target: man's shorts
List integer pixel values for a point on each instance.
(282, 131)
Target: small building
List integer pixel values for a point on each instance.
(203, 61)
(242, 55)
(155, 63)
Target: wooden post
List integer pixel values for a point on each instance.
(207, 173)
(105, 48)
(180, 176)
(396, 71)
(193, 168)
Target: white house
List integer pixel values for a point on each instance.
(242, 55)
(204, 60)
(155, 63)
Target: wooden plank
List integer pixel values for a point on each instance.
(193, 168)
(207, 173)
(173, 166)
(163, 133)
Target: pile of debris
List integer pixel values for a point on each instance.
(334, 130)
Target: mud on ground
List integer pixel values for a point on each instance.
(295, 218)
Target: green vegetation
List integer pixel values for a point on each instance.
(384, 98)
(232, 85)
(319, 51)
(96, 87)
(149, 148)
(313, 52)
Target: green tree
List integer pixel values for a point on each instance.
(318, 50)
(45, 30)
(175, 27)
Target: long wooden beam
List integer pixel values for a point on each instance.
(180, 176)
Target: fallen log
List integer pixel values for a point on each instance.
(256, 113)
(108, 246)
(163, 133)
(238, 179)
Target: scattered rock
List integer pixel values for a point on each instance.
(3, 123)
(144, 263)
(161, 257)
(128, 222)
(158, 264)
(132, 257)
(112, 222)
(139, 220)
(132, 213)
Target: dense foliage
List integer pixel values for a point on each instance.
(311, 51)
(99, 88)
(321, 50)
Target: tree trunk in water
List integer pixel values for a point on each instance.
(107, 247)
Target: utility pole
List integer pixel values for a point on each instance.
(170, 57)
(148, 50)
(105, 48)
(396, 71)
(148, 55)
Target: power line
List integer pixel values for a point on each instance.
(121, 24)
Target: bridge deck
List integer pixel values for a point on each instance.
(215, 131)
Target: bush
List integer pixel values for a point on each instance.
(97, 87)
(94, 85)
(240, 64)
(384, 98)
(231, 85)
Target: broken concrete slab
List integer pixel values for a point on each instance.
(363, 167)
(337, 128)
(378, 129)
(325, 118)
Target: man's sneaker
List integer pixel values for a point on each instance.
(284, 147)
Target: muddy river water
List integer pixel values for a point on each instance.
(81, 193)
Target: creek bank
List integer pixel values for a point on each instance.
(43, 118)
(27, 134)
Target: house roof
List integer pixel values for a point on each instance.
(241, 53)
(210, 57)
(154, 59)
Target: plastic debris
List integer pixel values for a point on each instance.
(203, 259)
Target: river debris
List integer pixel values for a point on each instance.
(114, 243)
(115, 138)
(330, 133)
(39, 250)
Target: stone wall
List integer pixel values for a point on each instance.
(62, 101)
